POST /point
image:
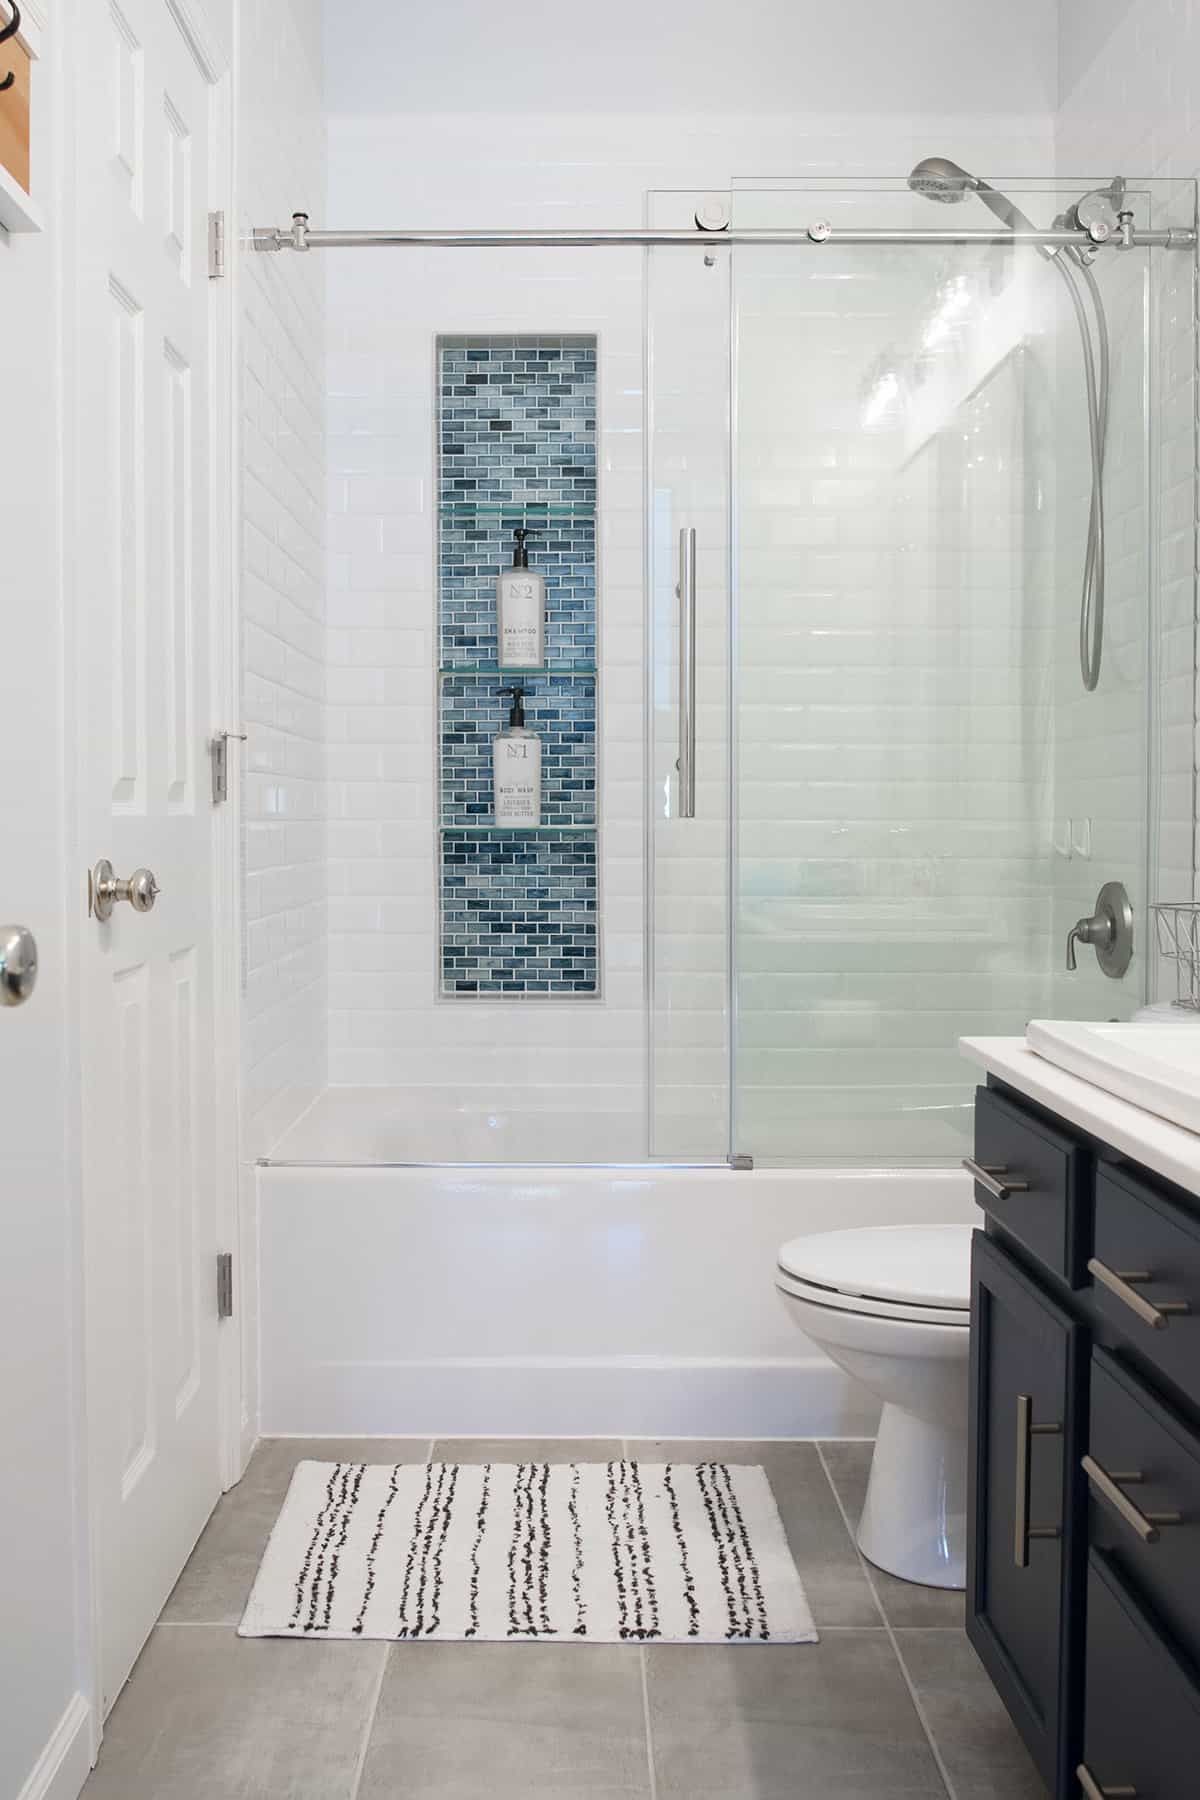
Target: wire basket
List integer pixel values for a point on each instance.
(1177, 929)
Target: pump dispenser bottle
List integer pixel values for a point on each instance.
(520, 611)
(517, 768)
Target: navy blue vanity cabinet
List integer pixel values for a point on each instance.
(1024, 1545)
(1083, 1571)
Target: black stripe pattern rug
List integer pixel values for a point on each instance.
(600, 1553)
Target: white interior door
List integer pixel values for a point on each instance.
(141, 432)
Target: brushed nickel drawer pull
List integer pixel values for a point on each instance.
(1146, 1524)
(986, 1175)
(1094, 1791)
(1120, 1282)
(1023, 1531)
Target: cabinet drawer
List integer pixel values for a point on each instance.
(1141, 1732)
(1042, 1213)
(1146, 1274)
(1132, 1434)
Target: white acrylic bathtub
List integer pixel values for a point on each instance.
(455, 1301)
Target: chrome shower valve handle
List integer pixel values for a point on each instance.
(1109, 930)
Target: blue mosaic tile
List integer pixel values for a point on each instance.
(517, 420)
(561, 709)
(519, 914)
(517, 447)
(472, 553)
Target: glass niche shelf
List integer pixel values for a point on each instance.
(553, 509)
(516, 830)
(495, 674)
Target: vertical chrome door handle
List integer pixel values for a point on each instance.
(686, 591)
(1023, 1531)
(18, 964)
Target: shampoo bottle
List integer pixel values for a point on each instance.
(517, 768)
(520, 611)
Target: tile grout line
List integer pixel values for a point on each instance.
(360, 1762)
(650, 1769)
(889, 1628)
(651, 1773)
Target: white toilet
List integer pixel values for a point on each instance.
(891, 1305)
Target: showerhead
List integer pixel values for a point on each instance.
(940, 179)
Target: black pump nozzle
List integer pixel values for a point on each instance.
(516, 716)
(520, 547)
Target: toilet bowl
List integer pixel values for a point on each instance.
(891, 1306)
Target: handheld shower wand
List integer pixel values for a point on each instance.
(948, 183)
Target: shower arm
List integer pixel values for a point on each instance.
(300, 236)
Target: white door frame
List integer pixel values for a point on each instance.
(213, 58)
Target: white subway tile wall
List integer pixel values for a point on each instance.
(1130, 104)
(281, 329)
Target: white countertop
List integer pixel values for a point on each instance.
(1155, 1143)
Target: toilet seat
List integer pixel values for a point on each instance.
(921, 1273)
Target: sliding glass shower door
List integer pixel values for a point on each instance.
(922, 796)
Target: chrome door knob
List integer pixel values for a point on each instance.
(105, 889)
(18, 964)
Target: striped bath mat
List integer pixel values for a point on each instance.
(600, 1553)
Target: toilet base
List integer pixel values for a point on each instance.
(914, 1522)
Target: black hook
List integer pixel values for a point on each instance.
(9, 31)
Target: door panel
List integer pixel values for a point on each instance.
(141, 430)
(1026, 1421)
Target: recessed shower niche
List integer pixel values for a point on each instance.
(517, 454)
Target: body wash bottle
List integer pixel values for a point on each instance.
(520, 611)
(517, 768)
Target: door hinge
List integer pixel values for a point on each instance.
(225, 1284)
(216, 245)
(218, 752)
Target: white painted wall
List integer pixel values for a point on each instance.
(282, 397)
(43, 1678)
(1130, 104)
(702, 57)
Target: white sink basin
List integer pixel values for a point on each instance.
(1154, 1065)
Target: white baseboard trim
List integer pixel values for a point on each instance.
(63, 1766)
(578, 1397)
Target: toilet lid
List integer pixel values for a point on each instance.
(907, 1265)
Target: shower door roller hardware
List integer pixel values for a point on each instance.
(18, 964)
(1109, 930)
(218, 751)
(105, 889)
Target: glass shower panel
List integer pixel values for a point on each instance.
(687, 381)
(915, 759)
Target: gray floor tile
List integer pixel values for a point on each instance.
(206, 1714)
(976, 1739)
(837, 1590)
(904, 1602)
(274, 1461)
(527, 1450)
(220, 1572)
(459, 1721)
(827, 1721)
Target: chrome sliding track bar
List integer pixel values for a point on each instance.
(300, 236)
